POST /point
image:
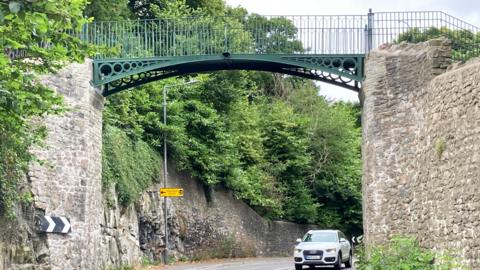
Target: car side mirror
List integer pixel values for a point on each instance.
(298, 241)
(343, 240)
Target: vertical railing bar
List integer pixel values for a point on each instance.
(109, 39)
(168, 49)
(323, 34)
(153, 26)
(210, 38)
(279, 48)
(174, 38)
(160, 37)
(330, 35)
(189, 27)
(201, 34)
(184, 49)
(145, 42)
(103, 34)
(317, 38)
(337, 39)
(307, 30)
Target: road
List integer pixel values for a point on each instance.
(240, 264)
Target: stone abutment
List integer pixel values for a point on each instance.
(421, 156)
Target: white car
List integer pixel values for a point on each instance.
(323, 247)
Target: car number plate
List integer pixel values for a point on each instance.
(313, 257)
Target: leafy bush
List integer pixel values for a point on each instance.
(122, 267)
(404, 253)
(131, 165)
(465, 44)
(24, 26)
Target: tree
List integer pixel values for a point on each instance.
(109, 10)
(36, 37)
(274, 35)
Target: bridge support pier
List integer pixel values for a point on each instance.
(420, 149)
(69, 184)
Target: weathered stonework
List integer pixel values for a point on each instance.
(421, 157)
(69, 184)
(199, 227)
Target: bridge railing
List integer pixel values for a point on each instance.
(417, 26)
(255, 34)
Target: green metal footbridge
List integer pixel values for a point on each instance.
(328, 48)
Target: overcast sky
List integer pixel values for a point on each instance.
(467, 10)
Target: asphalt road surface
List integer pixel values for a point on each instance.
(242, 264)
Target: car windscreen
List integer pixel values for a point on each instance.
(320, 237)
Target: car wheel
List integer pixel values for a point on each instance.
(338, 265)
(349, 263)
(298, 267)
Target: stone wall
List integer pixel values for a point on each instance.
(421, 157)
(69, 183)
(105, 234)
(201, 228)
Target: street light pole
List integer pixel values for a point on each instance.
(165, 173)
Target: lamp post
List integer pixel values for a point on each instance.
(165, 173)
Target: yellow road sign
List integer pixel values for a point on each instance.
(171, 192)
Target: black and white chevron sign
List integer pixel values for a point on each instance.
(51, 224)
(357, 240)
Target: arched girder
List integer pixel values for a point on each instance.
(119, 74)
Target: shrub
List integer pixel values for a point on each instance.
(131, 165)
(404, 253)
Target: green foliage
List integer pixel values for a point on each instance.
(108, 10)
(440, 145)
(287, 150)
(26, 197)
(26, 27)
(122, 267)
(404, 253)
(131, 165)
(146, 261)
(279, 146)
(276, 34)
(465, 44)
(289, 160)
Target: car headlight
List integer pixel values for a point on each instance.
(298, 250)
(331, 250)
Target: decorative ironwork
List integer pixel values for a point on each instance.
(137, 79)
(327, 48)
(117, 75)
(106, 71)
(325, 76)
(343, 65)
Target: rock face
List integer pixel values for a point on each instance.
(421, 156)
(199, 228)
(224, 227)
(104, 234)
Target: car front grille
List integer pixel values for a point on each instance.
(312, 252)
(309, 253)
